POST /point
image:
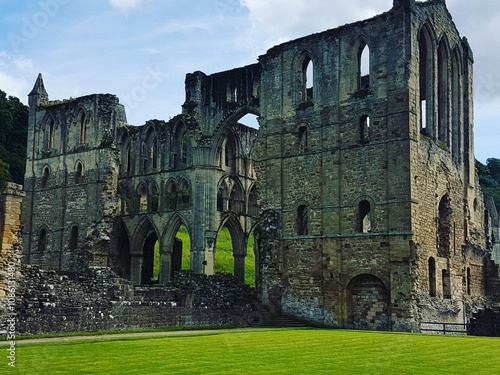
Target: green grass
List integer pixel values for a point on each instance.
(284, 351)
(224, 260)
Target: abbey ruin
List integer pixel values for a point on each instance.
(359, 186)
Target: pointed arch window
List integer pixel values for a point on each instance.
(302, 220)
(128, 155)
(42, 240)
(73, 239)
(153, 198)
(443, 94)
(307, 80)
(253, 207)
(143, 199)
(184, 195)
(444, 226)
(469, 279)
(49, 135)
(432, 276)
(45, 177)
(78, 173)
(184, 150)
(446, 284)
(364, 129)
(456, 108)
(364, 217)
(426, 88)
(171, 196)
(154, 153)
(83, 129)
(363, 67)
(302, 139)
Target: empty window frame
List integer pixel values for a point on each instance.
(432, 276)
(302, 220)
(364, 217)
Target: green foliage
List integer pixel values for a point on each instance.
(489, 179)
(4, 175)
(13, 138)
(224, 259)
(156, 261)
(183, 235)
(265, 351)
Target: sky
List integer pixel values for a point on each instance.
(141, 50)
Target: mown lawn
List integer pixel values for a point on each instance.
(284, 351)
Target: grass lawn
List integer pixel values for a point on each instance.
(280, 351)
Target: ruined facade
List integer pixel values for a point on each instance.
(359, 184)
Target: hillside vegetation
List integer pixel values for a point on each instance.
(13, 135)
(489, 179)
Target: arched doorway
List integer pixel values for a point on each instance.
(145, 253)
(119, 257)
(181, 252)
(150, 257)
(229, 254)
(368, 303)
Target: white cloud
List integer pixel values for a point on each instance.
(281, 20)
(125, 5)
(14, 86)
(12, 69)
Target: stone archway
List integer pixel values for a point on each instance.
(119, 257)
(368, 303)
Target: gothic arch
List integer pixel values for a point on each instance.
(225, 126)
(184, 194)
(125, 144)
(252, 201)
(49, 133)
(238, 244)
(457, 111)
(79, 122)
(443, 91)
(362, 46)
(426, 49)
(303, 60)
(143, 252)
(171, 256)
(302, 216)
(181, 146)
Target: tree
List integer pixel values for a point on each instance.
(489, 179)
(13, 137)
(493, 166)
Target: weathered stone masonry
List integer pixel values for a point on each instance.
(359, 184)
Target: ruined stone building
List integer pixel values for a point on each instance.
(359, 185)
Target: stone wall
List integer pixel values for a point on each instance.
(99, 300)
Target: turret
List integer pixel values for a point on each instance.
(38, 95)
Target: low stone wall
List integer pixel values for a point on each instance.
(49, 302)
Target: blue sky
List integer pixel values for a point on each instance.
(141, 50)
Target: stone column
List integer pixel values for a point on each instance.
(10, 224)
(239, 267)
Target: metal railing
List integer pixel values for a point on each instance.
(444, 328)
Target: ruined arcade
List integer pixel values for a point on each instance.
(359, 185)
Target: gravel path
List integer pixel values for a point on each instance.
(113, 336)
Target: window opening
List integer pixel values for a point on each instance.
(302, 220)
(432, 277)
